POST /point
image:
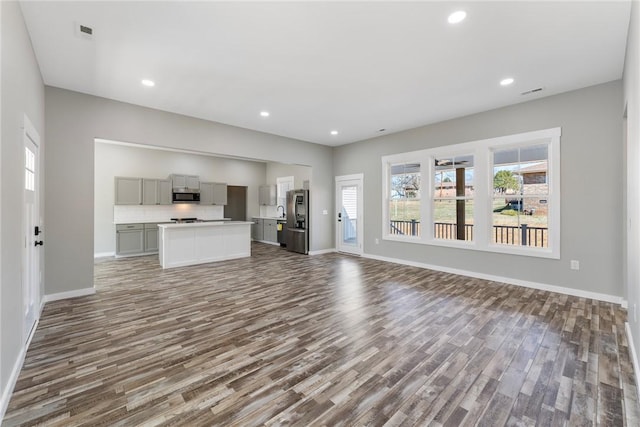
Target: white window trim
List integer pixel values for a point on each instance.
(483, 192)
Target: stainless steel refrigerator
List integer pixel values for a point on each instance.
(298, 221)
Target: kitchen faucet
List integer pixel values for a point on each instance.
(280, 206)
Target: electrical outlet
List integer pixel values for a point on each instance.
(575, 265)
(377, 241)
(325, 212)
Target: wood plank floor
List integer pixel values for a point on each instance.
(288, 339)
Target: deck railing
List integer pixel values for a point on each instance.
(505, 234)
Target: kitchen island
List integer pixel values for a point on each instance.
(202, 242)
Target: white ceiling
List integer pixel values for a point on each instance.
(355, 67)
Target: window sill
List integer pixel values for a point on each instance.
(472, 245)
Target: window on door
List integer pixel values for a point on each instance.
(29, 170)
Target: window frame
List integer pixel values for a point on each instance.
(443, 152)
(482, 152)
(386, 188)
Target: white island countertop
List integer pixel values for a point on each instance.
(160, 221)
(201, 242)
(207, 223)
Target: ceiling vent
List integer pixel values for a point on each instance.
(528, 92)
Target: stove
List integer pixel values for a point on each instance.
(186, 220)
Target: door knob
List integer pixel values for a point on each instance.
(39, 243)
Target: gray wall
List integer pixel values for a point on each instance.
(591, 179)
(74, 120)
(22, 92)
(632, 223)
(298, 172)
(119, 160)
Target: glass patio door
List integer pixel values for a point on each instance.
(349, 219)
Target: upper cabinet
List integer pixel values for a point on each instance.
(219, 193)
(213, 193)
(185, 181)
(267, 195)
(128, 191)
(164, 192)
(156, 192)
(139, 191)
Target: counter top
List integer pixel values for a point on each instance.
(214, 223)
(279, 218)
(165, 221)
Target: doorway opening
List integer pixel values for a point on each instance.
(236, 207)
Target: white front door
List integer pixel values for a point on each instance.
(32, 230)
(350, 216)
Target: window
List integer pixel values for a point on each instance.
(520, 205)
(500, 195)
(283, 184)
(453, 198)
(29, 170)
(404, 199)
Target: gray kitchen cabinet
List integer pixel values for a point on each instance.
(219, 193)
(185, 181)
(267, 195)
(149, 191)
(128, 191)
(257, 229)
(164, 192)
(206, 193)
(150, 237)
(129, 239)
(213, 193)
(270, 230)
(156, 192)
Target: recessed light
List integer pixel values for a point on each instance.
(334, 132)
(148, 83)
(264, 113)
(506, 82)
(457, 17)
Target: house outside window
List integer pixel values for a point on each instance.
(521, 196)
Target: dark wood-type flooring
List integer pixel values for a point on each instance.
(288, 339)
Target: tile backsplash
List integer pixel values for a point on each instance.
(163, 213)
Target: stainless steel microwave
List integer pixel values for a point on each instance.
(186, 197)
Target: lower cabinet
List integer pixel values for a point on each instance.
(151, 237)
(129, 239)
(264, 230)
(136, 239)
(271, 230)
(257, 229)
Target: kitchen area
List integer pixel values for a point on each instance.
(289, 227)
(139, 192)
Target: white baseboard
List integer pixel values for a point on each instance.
(634, 357)
(104, 254)
(322, 251)
(69, 294)
(525, 283)
(15, 372)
